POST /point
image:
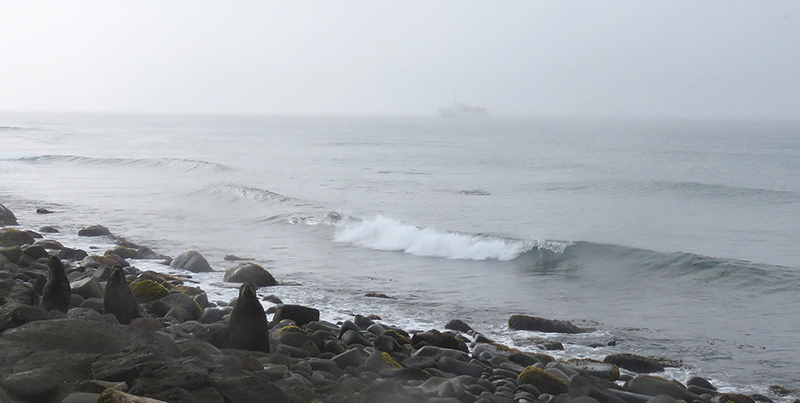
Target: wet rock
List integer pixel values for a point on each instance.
(543, 381)
(26, 313)
(49, 244)
(7, 217)
(301, 315)
(635, 363)
(732, 397)
(94, 230)
(14, 237)
(159, 376)
(701, 382)
(652, 386)
(535, 323)
(42, 210)
(191, 261)
(459, 326)
(49, 230)
(35, 251)
(87, 288)
(250, 273)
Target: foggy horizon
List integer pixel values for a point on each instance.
(619, 59)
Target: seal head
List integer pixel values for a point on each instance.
(248, 328)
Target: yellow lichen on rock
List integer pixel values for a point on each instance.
(544, 382)
(148, 290)
(391, 361)
(397, 336)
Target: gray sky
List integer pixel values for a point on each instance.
(537, 58)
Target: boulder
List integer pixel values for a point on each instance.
(94, 230)
(7, 217)
(543, 381)
(635, 363)
(250, 273)
(49, 229)
(301, 315)
(191, 261)
(87, 288)
(535, 323)
(653, 385)
(14, 237)
(116, 396)
(178, 300)
(35, 251)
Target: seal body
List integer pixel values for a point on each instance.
(118, 298)
(247, 327)
(56, 292)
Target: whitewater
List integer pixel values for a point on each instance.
(674, 239)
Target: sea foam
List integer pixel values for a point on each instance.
(384, 233)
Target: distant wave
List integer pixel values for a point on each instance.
(635, 264)
(384, 233)
(709, 189)
(241, 192)
(174, 163)
(12, 128)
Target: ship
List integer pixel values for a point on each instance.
(461, 109)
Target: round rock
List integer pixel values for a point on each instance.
(191, 261)
(250, 273)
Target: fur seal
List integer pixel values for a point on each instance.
(56, 292)
(247, 327)
(118, 298)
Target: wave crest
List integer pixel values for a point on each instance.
(387, 234)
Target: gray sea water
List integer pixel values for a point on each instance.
(675, 239)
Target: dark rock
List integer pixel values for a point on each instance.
(184, 302)
(635, 363)
(351, 337)
(249, 273)
(459, 326)
(35, 251)
(191, 261)
(42, 210)
(34, 234)
(210, 315)
(49, 230)
(350, 358)
(420, 362)
(26, 313)
(543, 381)
(373, 294)
(7, 217)
(14, 237)
(89, 287)
(272, 298)
(457, 367)
(732, 397)
(85, 314)
(701, 382)
(49, 244)
(94, 230)
(34, 385)
(85, 336)
(301, 315)
(362, 322)
(652, 386)
(525, 322)
(158, 376)
(248, 388)
(12, 253)
(71, 254)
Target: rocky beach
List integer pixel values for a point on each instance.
(88, 326)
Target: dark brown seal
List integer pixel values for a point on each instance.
(119, 299)
(56, 292)
(247, 327)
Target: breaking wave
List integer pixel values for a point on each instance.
(384, 233)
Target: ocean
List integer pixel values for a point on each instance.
(671, 238)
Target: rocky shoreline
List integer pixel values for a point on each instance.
(126, 335)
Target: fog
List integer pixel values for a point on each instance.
(687, 59)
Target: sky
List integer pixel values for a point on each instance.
(673, 59)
